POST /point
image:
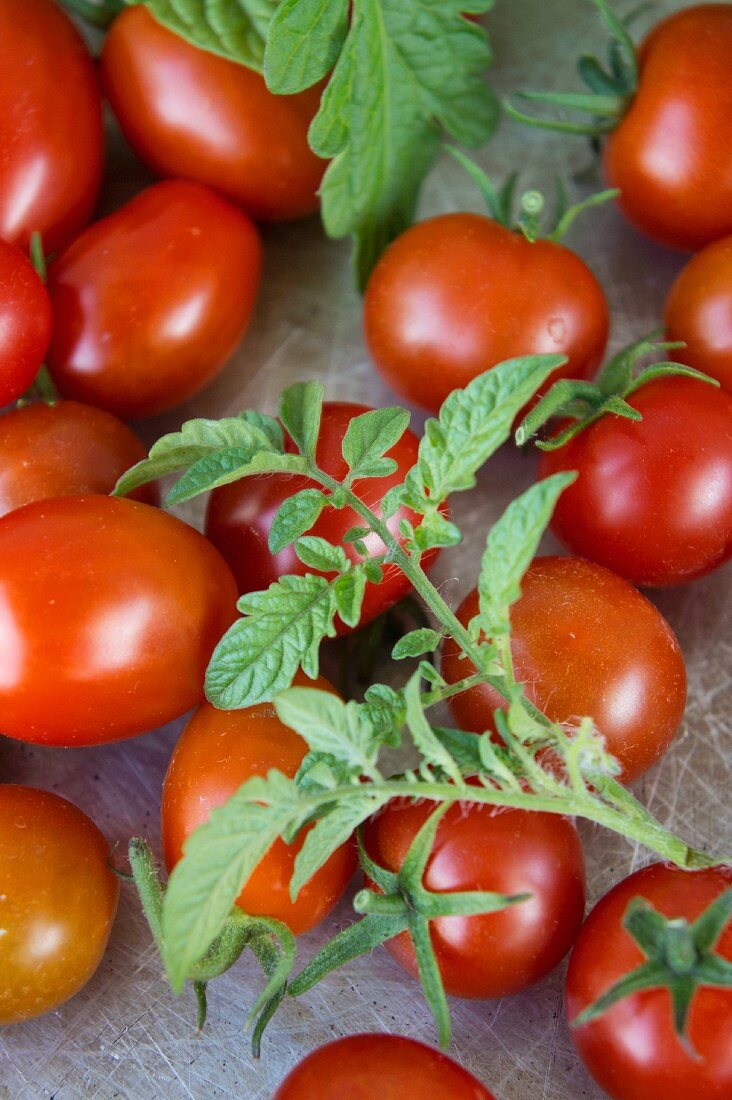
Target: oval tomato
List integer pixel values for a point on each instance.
(25, 323)
(632, 1050)
(379, 1067)
(508, 851)
(220, 750)
(109, 612)
(190, 113)
(458, 293)
(699, 312)
(569, 640)
(57, 904)
(50, 125)
(151, 301)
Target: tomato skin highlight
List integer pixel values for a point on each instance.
(109, 613)
(217, 752)
(187, 112)
(632, 1050)
(569, 640)
(151, 301)
(379, 1067)
(25, 323)
(50, 125)
(459, 293)
(480, 847)
(699, 312)
(58, 901)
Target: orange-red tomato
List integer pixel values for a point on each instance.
(25, 323)
(190, 113)
(699, 312)
(58, 898)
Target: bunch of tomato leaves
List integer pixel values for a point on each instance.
(339, 786)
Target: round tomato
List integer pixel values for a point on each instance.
(187, 112)
(632, 1050)
(240, 515)
(699, 312)
(379, 1067)
(220, 750)
(62, 450)
(109, 612)
(50, 125)
(480, 847)
(458, 293)
(653, 500)
(569, 640)
(151, 301)
(25, 323)
(57, 902)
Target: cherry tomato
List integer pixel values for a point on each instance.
(508, 851)
(109, 612)
(240, 515)
(25, 323)
(379, 1067)
(569, 640)
(632, 1049)
(653, 500)
(50, 125)
(699, 312)
(190, 113)
(57, 902)
(220, 750)
(458, 293)
(151, 301)
(63, 450)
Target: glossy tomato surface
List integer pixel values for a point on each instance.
(220, 750)
(50, 125)
(25, 323)
(240, 515)
(458, 293)
(668, 155)
(502, 850)
(57, 902)
(570, 634)
(699, 312)
(632, 1050)
(63, 450)
(379, 1067)
(109, 612)
(190, 113)
(653, 500)
(151, 301)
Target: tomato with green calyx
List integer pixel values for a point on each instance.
(25, 323)
(699, 312)
(57, 902)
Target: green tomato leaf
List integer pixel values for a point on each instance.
(300, 408)
(436, 530)
(235, 29)
(349, 591)
(320, 554)
(433, 752)
(223, 467)
(368, 437)
(342, 730)
(295, 515)
(336, 828)
(305, 39)
(416, 642)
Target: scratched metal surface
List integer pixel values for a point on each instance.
(125, 1035)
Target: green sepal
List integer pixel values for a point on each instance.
(355, 940)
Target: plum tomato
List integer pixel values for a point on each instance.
(109, 613)
(217, 752)
(699, 312)
(479, 847)
(25, 323)
(456, 294)
(653, 500)
(57, 903)
(569, 641)
(187, 112)
(151, 301)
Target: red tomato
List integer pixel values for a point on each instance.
(25, 322)
(653, 500)
(240, 515)
(220, 750)
(632, 1050)
(456, 294)
(57, 903)
(151, 301)
(190, 113)
(50, 125)
(486, 848)
(379, 1067)
(699, 312)
(109, 613)
(62, 450)
(569, 640)
(667, 154)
